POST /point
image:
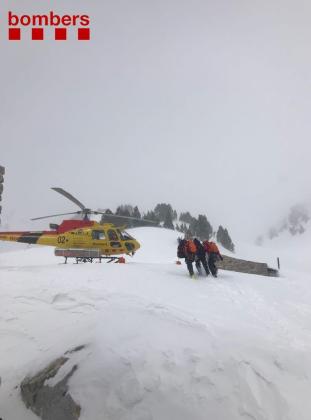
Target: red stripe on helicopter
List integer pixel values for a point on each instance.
(67, 225)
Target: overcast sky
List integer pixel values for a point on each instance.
(203, 104)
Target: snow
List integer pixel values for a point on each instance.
(159, 345)
(293, 250)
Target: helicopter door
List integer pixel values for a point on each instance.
(114, 239)
(98, 235)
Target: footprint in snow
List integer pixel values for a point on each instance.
(63, 298)
(130, 391)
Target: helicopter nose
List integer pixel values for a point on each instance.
(132, 246)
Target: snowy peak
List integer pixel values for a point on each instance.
(296, 222)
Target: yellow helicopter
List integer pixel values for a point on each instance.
(83, 239)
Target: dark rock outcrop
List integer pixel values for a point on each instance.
(50, 402)
(244, 266)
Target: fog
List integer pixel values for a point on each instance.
(202, 104)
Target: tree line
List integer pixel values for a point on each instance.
(164, 215)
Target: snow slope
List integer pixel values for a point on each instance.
(293, 250)
(159, 345)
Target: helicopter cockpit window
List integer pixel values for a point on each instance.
(125, 236)
(98, 235)
(112, 235)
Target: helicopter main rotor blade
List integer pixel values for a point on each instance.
(69, 196)
(124, 217)
(54, 215)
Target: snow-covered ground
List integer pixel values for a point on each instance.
(159, 345)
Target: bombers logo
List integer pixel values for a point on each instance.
(38, 23)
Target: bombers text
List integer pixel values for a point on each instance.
(50, 19)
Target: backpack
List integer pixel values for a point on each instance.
(211, 247)
(191, 247)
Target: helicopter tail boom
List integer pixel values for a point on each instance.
(37, 237)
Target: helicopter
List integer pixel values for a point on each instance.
(81, 239)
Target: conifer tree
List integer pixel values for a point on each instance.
(150, 215)
(136, 213)
(161, 211)
(204, 228)
(224, 239)
(185, 217)
(168, 222)
(124, 210)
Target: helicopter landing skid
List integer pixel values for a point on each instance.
(87, 256)
(90, 259)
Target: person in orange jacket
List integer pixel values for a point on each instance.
(190, 252)
(187, 250)
(213, 255)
